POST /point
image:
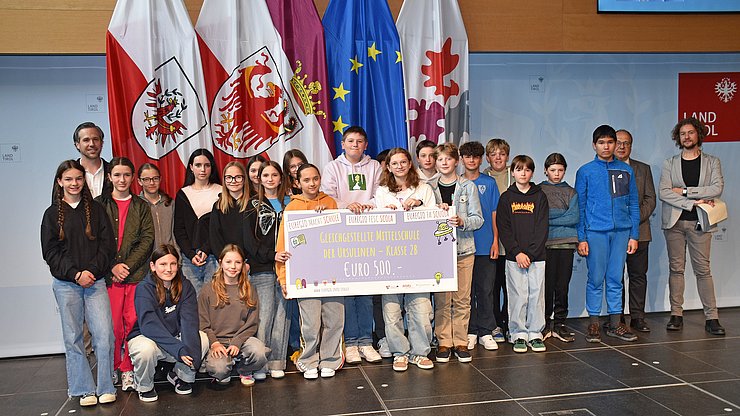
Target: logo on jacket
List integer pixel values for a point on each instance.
(522, 207)
(170, 309)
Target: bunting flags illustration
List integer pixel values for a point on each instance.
(365, 72)
(254, 106)
(155, 86)
(434, 47)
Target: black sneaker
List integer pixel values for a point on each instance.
(462, 354)
(443, 354)
(181, 387)
(622, 332)
(148, 396)
(562, 333)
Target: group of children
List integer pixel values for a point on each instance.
(200, 280)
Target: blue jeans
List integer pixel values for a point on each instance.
(526, 289)
(145, 353)
(78, 304)
(274, 327)
(419, 315)
(199, 275)
(251, 358)
(358, 321)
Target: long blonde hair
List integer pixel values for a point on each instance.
(225, 201)
(246, 292)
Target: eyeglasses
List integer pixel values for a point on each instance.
(624, 144)
(399, 163)
(153, 179)
(237, 178)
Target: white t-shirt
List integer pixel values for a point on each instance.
(424, 193)
(202, 200)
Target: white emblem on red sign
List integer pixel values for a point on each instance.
(725, 90)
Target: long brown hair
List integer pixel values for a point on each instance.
(87, 199)
(176, 286)
(246, 292)
(225, 200)
(282, 190)
(388, 179)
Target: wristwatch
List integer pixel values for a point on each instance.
(685, 192)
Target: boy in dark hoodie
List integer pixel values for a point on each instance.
(522, 220)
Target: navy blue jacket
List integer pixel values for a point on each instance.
(174, 326)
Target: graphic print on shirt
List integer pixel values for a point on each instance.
(522, 207)
(357, 182)
(619, 183)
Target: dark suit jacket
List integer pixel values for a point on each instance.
(646, 193)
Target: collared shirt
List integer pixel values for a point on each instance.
(95, 180)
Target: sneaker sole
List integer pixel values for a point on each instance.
(148, 399)
(520, 351)
(627, 339)
(443, 360)
(489, 348)
(465, 360)
(310, 376)
(593, 340)
(400, 369)
(377, 360)
(569, 339)
(539, 349)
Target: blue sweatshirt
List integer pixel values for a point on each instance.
(607, 198)
(174, 326)
(563, 202)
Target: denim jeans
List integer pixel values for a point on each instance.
(419, 315)
(199, 275)
(322, 321)
(145, 353)
(251, 358)
(274, 327)
(91, 304)
(526, 289)
(358, 321)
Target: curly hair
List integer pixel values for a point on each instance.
(701, 130)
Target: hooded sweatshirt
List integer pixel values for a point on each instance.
(522, 221)
(348, 183)
(299, 203)
(173, 326)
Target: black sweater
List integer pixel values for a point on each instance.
(76, 252)
(522, 221)
(191, 232)
(226, 228)
(260, 234)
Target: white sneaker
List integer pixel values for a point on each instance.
(352, 355)
(107, 398)
(311, 374)
(369, 354)
(327, 372)
(383, 348)
(260, 375)
(488, 342)
(127, 381)
(472, 339)
(277, 373)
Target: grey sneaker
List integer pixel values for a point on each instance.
(622, 332)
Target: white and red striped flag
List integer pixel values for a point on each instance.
(155, 87)
(434, 50)
(253, 108)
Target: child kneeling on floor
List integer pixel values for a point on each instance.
(229, 317)
(166, 327)
(325, 315)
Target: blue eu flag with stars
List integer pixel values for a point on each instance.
(363, 56)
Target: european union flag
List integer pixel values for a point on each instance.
(363, 56)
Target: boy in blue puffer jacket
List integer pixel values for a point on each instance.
(608, 228)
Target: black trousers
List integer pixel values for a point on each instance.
(500, 308)
(482, 320)
(378, 316)
(558, 270)
(637, 268)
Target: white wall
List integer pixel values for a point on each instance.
(43, 98)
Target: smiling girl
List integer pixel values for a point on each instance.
(227, 216)
(134, 236)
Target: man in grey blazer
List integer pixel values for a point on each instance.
(637, 262)
(688, 179)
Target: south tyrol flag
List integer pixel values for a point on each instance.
(300, 28)
(434, 46)
(254, 106)
(155, 87)
(365, 75)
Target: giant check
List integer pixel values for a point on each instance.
(338, 253)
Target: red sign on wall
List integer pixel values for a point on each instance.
(713, 98)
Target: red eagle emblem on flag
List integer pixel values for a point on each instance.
(252, 110)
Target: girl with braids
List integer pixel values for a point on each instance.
(159, 202)
(262, 223)
(166, 326)
(253, 168)
(193, 205)
(229, 317)
(292, 160)
(134, 235)
(227, 215)
(77, 244)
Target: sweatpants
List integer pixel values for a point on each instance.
(607, 252)
(321, 350)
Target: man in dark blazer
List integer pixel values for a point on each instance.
(637, 263)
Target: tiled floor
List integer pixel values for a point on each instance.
(685, 373)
